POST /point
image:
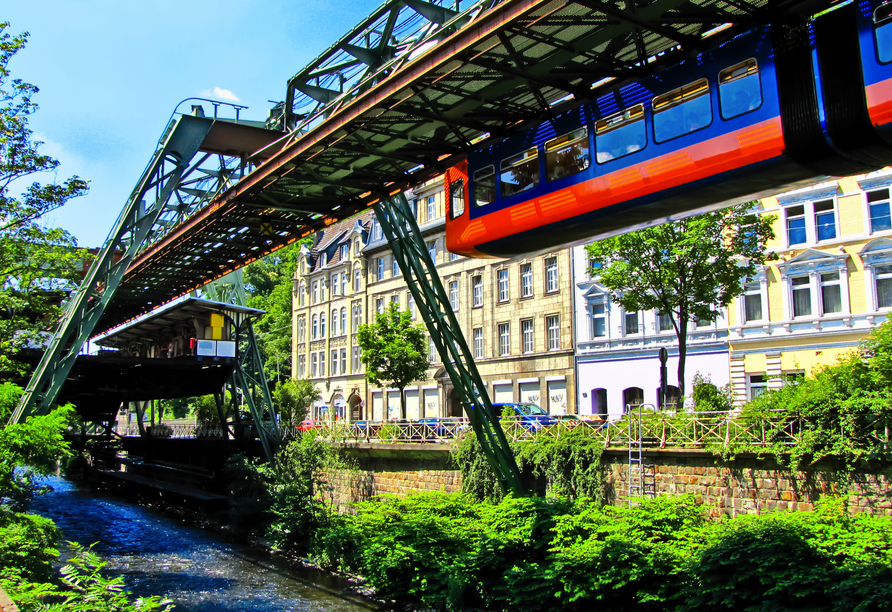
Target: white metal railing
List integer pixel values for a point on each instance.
(660, 429)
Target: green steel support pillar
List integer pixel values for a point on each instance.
(169, 163)
(399, 225)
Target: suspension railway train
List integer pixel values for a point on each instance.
(775, 108)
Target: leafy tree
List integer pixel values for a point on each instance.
(394, 351)
(293, 399)
(37, 263)
(687, 269)
(268, 282)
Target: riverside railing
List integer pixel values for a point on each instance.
(660, 429)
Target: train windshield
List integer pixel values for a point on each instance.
(519, 172)
(620, 134)
(566, 155)
(485, 186)
(739, 89)
(682, 111)
(457, 197)
(882, 17)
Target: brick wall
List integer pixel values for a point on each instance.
(746, 485)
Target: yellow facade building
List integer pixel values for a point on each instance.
(831, 283)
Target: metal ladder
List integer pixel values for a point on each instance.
(642, 476)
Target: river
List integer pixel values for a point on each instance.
(199, 570)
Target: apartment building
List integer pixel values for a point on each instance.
(831, 284)
(515, 314)
(617, 352)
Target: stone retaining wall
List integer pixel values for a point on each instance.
(745, 485)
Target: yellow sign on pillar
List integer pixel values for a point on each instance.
(216, 327)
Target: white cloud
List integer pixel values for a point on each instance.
(222, 94)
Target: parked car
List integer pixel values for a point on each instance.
(531, 416)
(441, 427)
(361, 429)
(307, 425)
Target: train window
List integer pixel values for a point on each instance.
(485, 186)
(882, 18)
(679, 112)
(739, 89)
(519, 172)
(566, 155)
(457, 197)
(620, 134)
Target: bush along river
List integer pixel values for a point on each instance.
(197, 569)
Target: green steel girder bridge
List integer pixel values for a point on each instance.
(396, 101)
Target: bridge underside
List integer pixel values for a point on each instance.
(98, 384)
(410, 116)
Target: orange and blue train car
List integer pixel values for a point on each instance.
(769, 110)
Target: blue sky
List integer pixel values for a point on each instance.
(111, 73)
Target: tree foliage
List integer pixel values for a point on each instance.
(293, 399)
(37, 263)
(394, 351)
(687, 269)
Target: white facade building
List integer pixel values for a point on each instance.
(617, 352)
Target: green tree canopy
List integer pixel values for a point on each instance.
(394, 351)
(687, 269)
(293, 399)
(37, 263)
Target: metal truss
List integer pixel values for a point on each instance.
(401, 229)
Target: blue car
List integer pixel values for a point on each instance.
(531, 416)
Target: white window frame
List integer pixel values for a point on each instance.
(553, 331)
(552, 284)
(477, 287)
(526, 280)
(432, 250)
(503, 285)
(504, 330)
(592, 316)
(334, 322)
(478, 343)
(528, 341)
(752, 384)
(638, 320)
(335, 284)
(811, 226)
(334, 362)
(453, 295)
(867, 218)
(431, 208)
(813, 263)
(379, 266)
(876, 254)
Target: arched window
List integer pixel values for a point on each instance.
(344, 320)
(322, 325)
(315, 327)
(599, 402)
(633, 396)
(334, 321)
(673, 398)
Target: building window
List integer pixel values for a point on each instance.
(554, 332)
(453, 256)
(334, 363)
(632, 396)
(526, 330)
(453, 295)
(315, 327)
(599, 319)
(502, 276)
(379, 264)
(343, 361)
(831, 293)
(504, 339)
(664, 321)
(432, 250)
(334, 322)
(301, 294)
(344, 282)
(551, 275)
(356, 282)
(344, 320)
(356, 361)
(796, 225)
(322, 286)
(301, 366)
(478, 342)
(379, 305)
(757, 384)
(315, 291)
(630, 321)
(345, 251)
(410, 304)
(883, 275)
(878, 202)
(477, 283)
(395, 299)
(357, 318)
(313, 365)
(431, 208)
(336, 284)
(431, 350)
(526, 280)
(394, 267)
(322, 325)
(301, 329)
(801, 296)
(321, 364)
(752, 302)
(377, 232)
(825, 220)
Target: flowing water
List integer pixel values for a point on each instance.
(158, 555)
